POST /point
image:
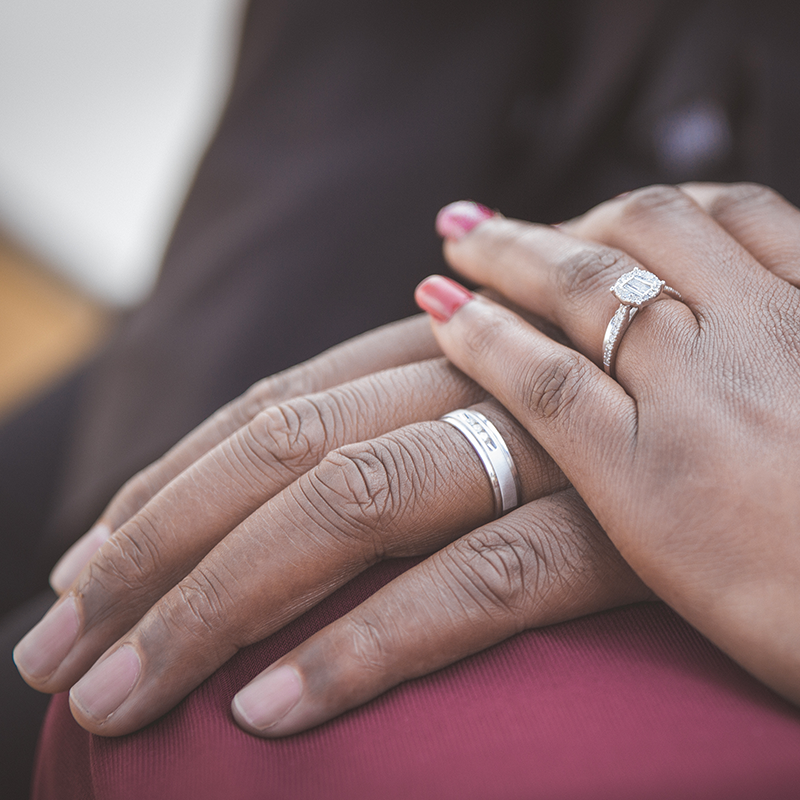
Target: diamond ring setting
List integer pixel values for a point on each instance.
(634, 290)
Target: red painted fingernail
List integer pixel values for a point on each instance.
(441, 297)
(459, 218)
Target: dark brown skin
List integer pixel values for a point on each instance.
(687, 460)
(690, 460)
(278, 500)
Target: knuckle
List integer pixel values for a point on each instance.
(202, 607)
(654, 200)
(131, 557)
(739, 198)
(519, 566)
(555, 383)
(369, 642)
(586, 270)
(490, 567)
(291, 435)
(359, 490)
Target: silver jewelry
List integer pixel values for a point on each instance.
(494, 455)
(634, 290)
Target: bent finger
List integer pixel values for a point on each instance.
(392, 345)
(546, 562)
(666, 231)
(566, 279)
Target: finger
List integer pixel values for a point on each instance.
(406, 493)
(564, 279)
(164, 541)
(669, 234)
(545, 562)
(763, 222)
(583, 418)
(393, 345)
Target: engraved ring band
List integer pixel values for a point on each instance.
(493, 453)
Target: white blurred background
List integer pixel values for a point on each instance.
(105, 108)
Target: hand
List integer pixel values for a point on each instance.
(398, 343)
(217, 547)
(689, 459)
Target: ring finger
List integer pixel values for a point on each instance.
(364, 502)
(563, 279)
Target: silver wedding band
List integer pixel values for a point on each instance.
(634, 290)
(493, 453)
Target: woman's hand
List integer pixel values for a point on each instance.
(691, 458)
(270, 506)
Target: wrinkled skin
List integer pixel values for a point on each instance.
(285, 495)
(690, 459)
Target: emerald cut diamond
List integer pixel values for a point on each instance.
(637, 287)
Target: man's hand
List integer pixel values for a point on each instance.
(271, 506)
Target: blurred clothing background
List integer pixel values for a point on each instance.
(310, 217)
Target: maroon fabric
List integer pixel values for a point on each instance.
(630, 703)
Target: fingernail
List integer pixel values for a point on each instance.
(459, 218)
(44, 647)
(106, 685)
(77, 557)
(441, 297)
(268, 699)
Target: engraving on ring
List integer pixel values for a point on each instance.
(491, 449)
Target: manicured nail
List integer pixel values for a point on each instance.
(459, 218)
(44, 647)
(441, 297)
(77, 557)
(101, 691)
(268, 699)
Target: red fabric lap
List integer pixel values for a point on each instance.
(626, 704)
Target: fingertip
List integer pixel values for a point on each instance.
(264, 703)
(458, 219)
(441, 297)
